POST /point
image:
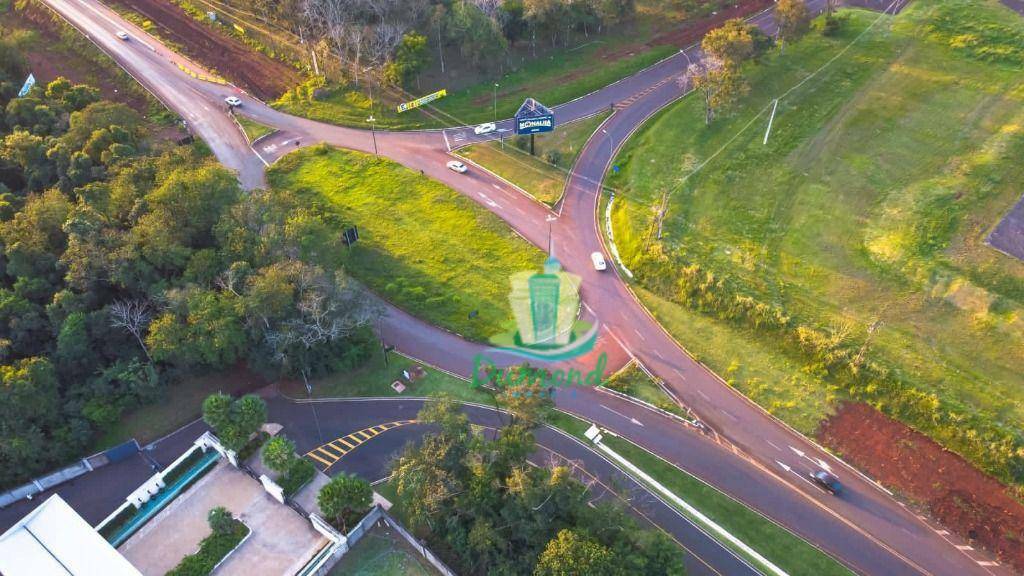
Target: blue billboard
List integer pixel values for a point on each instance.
(534, 118)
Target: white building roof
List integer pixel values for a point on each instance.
(53, 540)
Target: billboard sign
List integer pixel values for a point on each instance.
(534, 118)
(406, 106)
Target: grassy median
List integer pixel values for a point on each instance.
(423, 246)
(863, 218)
(543, 174)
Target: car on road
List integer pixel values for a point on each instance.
(598, 259)
(457, 166)
(122, 34)
(233, 101)
(485, 128)
(827, 481)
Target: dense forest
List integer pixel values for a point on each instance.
(128, 263)
(394, 33)
(487, 510)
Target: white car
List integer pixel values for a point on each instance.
(457, 166)
(233, 101)
(122, 34)
(485, 128)
(598, 259)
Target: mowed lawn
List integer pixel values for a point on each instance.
(543, 174)
(422, 246)
(866, 212)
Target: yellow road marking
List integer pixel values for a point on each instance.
(331, 452)
(327, 455)
(324, 462)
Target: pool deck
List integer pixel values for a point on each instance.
(281, 541)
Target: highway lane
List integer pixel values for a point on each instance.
(373, 458)
(879, 519)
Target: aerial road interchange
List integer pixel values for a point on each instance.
(739, 448)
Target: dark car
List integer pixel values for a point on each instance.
(827, 481)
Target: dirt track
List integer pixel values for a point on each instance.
(256, 73)
(959, 496)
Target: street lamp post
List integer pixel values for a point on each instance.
(373, 134)
(495, 101)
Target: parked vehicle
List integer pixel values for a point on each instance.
(827, 481)
(485, 128)
(598, 259)
(233, 101)
(457, 166)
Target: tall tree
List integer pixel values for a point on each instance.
(344, 499)
(731, 44)
(793, 18)
(569, 554)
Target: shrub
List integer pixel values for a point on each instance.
(300, 473)
(279, 454)
(832, 25)
(553, 157)
(220, 520)
(214, 547)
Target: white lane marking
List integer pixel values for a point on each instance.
(815, 461)
(488, 201)
(942, 532)
(270, 149)
(773, 445)
(638, 333)
(986, 563)
(694, 512)
(798, 475)
(620, 343)
(964, 547)
(496, 187)
(703, 395)
(680, 372)
(630, 418)
(729, 414)
(658, 354)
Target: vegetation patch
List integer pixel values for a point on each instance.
(846, 256)
(227, 534)
(422, 246)
(253, 129)
(635, 382)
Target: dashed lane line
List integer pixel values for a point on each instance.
(330, 453)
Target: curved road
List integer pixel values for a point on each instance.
(754, 457)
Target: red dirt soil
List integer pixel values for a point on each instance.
(959, 496)
(53, 61)
(255, 72)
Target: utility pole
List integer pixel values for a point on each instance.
(373, 134)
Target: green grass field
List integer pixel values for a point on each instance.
(543, 174)
(374, 379)
(253, 130)
(182, 402)
(381, 552)
(634, 382)
(865, 213)
(422, 246)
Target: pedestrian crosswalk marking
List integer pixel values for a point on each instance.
(330, 453)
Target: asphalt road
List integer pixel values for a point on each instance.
(372, 460)
(867, 530)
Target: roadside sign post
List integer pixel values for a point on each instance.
(406, 106)
(373, 134)
(533, 118)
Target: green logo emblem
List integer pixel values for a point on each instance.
(546, 305)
